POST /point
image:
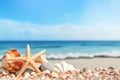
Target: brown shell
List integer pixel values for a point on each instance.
(11, 66)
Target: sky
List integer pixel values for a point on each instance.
(59, 20)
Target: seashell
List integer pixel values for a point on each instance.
(80, 76)
(11, 66)
(5, 72)
(12, 75)
(26, 75)
(62, 75)
(33, 74)
(63, 67)
(46, 72)
(54, 75)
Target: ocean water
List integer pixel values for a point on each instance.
(65, 49)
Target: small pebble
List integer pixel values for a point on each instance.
(46, 66)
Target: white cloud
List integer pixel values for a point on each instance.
(16, 30)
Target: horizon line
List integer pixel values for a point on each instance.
(58, 40)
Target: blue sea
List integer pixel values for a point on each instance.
(65, 49)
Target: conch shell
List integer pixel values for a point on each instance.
(11, 66)
(63, 67)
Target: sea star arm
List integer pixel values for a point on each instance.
(38, 54)
(35, 67)
(22, 69)
(41, 59)
(28, 51)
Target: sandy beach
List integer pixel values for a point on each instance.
(85, 69)
(92, 62)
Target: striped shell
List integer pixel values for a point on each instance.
(63, 67)
(11, 66)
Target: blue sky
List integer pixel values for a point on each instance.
(59, 20)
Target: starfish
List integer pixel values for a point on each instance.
(28, 60)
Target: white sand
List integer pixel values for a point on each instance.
(92, 63)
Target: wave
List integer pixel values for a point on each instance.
(112, 54)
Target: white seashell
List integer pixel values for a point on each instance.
(58, 67)
(70, 67)
(63, 67)
(12, 75)
(5, 72)
(33, 74)
(26, 75)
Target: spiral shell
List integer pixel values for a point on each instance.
(11, 66)
(63, 67)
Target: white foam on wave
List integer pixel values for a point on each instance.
(68, 55)
(111, 53)
(84, 55)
